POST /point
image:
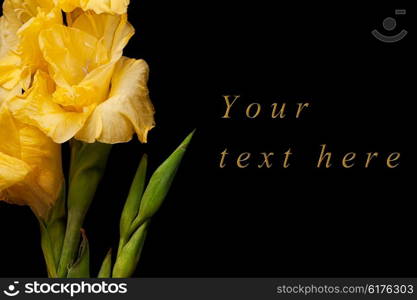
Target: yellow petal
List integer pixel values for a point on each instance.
(8, 39)
(37, 108)
(106, 6)
(79, 65)
(9, 132)
(98, 6)
(20, 27)
(71, 53)
(30, 165)
(44, 157)
(113, 30)
(18, 12)
(12, 170)
(28, 34)
(82, 57)
(67, 5)
(30, 192)
(14, 16)
(6, 94)
(11, 72)
(128, 109)
(26, 192)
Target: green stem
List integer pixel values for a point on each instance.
(71, 242)
(88, 162)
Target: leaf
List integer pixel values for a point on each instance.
(81, 267)
(105, 270)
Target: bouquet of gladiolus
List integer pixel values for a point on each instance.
(63, 78)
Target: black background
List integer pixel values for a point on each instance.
(299, 221)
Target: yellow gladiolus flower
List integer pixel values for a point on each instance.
(30, 165)
(94, 95)
(98, 6)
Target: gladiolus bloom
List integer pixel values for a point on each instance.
(94, 95)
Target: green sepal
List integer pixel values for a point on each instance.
(47, 249)
(130, 253)
(81, 267)
(105, 270)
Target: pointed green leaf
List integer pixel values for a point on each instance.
(129, 255)
(105, 270)
(81, 267)
(159, 185)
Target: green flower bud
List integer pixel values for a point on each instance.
(131, 208)
(160, 184)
